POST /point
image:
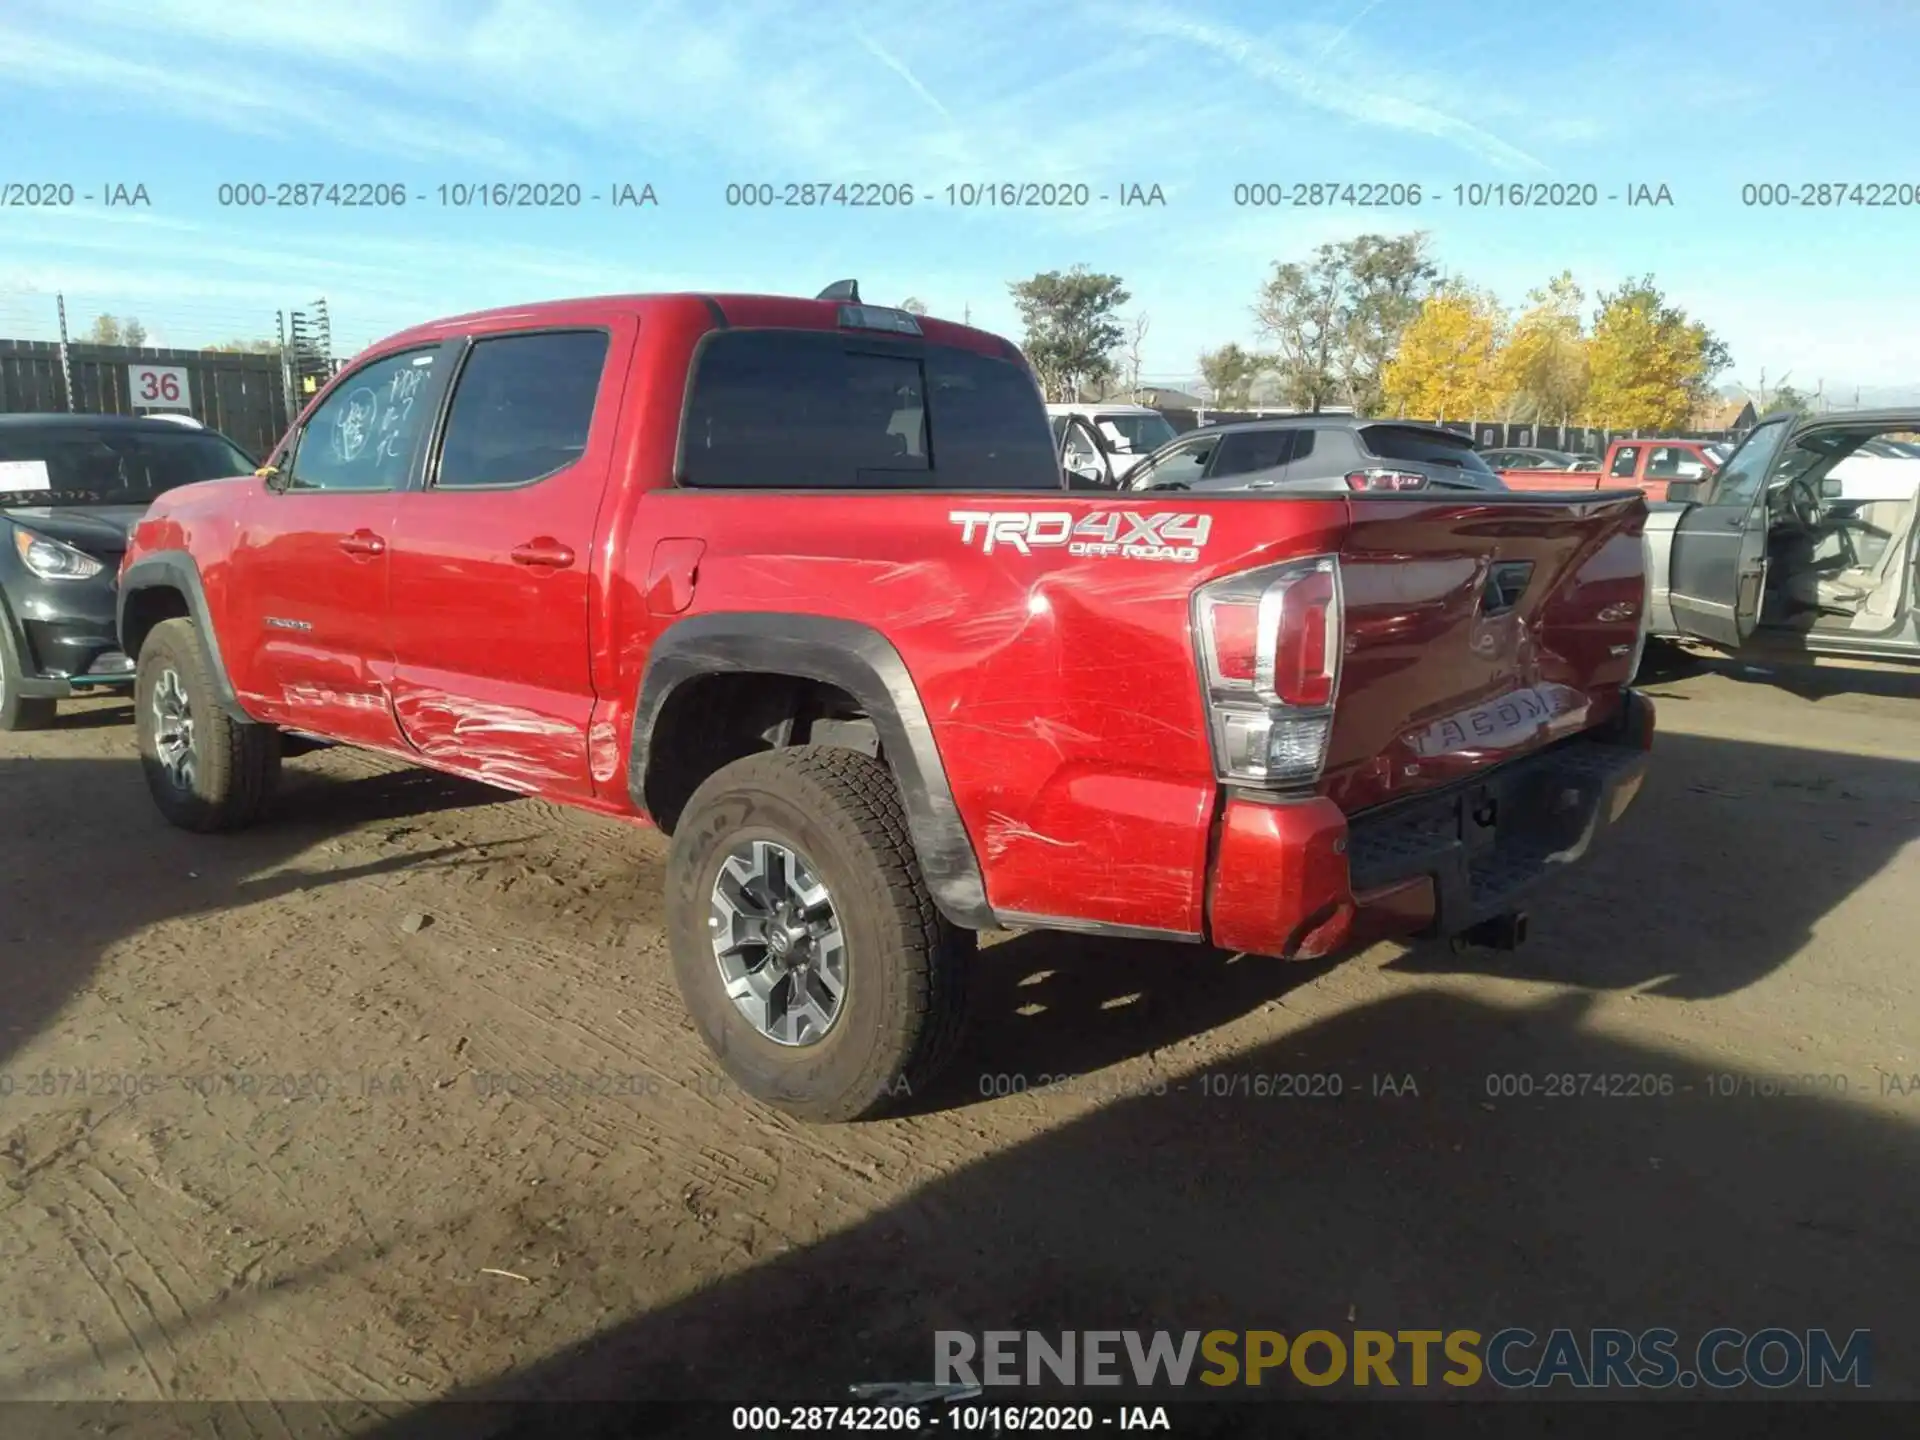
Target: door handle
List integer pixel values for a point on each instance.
(1735, 522)
(543, 552)
(363, 542)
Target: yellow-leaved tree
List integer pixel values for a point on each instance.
(1544, 368)
(1651, 366)
(1446, 366)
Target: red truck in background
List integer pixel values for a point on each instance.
(799, 582)
(1646, 465)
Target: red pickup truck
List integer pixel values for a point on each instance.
(1647, 465)
(799, 582)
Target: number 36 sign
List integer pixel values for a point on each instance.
(158, 387)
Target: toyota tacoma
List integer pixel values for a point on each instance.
(800, 582)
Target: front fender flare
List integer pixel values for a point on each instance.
(177, 570)
(861, 661)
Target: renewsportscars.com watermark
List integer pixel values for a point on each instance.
(1772, 1358)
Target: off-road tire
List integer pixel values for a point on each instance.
(906, 969)
(17, 711)
(236, 764)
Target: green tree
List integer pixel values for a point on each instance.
(1071, 329)
(1446, 366)
(111, 330)
(243, 346)
(1787, 397)
(1652, 365)
(1392, 276)
(1543, 370)
(1336, 320)
(1230, 373)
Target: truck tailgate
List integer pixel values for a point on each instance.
(1477, 631)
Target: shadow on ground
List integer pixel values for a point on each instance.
(1441, 1210)
(91, 862)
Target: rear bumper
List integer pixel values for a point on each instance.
(1298, 879)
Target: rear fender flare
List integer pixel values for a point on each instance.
(861, 661)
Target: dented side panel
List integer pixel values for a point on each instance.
(1048, 642)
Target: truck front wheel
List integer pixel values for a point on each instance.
(810, 955)
(207, 771)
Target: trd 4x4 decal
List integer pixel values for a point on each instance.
(1126, 534)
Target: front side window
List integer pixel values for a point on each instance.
(522, 408)
(1740, 478)
(1180, 466)
(363, 435)
(1624, 460)
(1143, 433)
(787, 409)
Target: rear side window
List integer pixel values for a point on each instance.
(1250, 450)
(802, 409)
(1431, 447)
(522, 408)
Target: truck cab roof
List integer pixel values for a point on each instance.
(743, 311)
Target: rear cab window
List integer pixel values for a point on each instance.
(522, 408)
(822, 409)
(1430, 447)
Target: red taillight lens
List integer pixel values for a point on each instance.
(1236, 640)
(1269, 643)
(1303, 649)
(1386, 480)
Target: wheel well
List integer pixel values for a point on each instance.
(146, 608)
(712, 720)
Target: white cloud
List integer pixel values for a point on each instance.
(1348, 89)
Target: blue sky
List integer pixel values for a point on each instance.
(181, 95)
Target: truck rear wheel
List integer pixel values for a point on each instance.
(810, 955)
(207, 771)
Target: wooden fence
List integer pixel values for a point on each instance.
(241, 394)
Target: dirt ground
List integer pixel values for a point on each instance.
(392, 1099)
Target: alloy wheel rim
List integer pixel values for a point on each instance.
(173, 729)
(778, 943)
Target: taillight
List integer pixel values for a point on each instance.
(1269, 646)
(1377, 479)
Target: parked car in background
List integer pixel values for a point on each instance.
(1634, 464)
(1804, 540)
(1336, 453)
(1100, 445)
(1527, 459)
(71, 487)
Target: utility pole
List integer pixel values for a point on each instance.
(66, 364)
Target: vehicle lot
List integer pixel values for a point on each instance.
(394, 945)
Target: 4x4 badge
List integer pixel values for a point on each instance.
(1123, 534)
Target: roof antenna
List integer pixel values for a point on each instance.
(848, 290)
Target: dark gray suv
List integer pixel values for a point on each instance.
(1317, 452)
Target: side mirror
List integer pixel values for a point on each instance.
(1086, 477)
(1831, 488)
(1685, 492)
